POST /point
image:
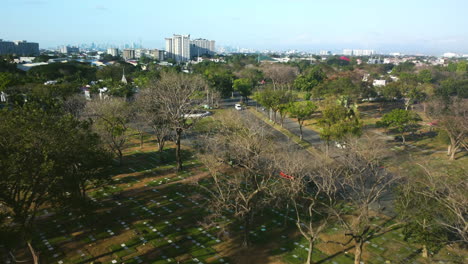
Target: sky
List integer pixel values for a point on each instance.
(407, 26)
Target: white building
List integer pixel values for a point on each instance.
(325, 52)
(450, 55)
(178, 47)
(358, 52)
(113, 51)
(378, 83)
(69, 50)
(348, 52)
(202, 47)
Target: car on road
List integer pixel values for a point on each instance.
(238, 106)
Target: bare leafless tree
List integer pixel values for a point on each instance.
(281, 75)
(452, 118)
(449, 189)
(151, 115)
(75, 105)
(178, 97)
(240, 161)
(362, 185)
(310, 187)
(110, 120)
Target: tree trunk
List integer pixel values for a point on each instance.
(141, 140)
(178, 154)
(403, 138)
(119, 151)
(33, 253)
(309, 253)
(358, 251)
(300, 129)
(453, 151)
(246, 243)
(160, 145)
(425, 253)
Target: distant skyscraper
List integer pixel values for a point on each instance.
(202, 47)
(178, 47)
(21, 48)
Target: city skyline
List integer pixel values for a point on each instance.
(429, 27)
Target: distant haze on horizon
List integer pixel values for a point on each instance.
(411, 26)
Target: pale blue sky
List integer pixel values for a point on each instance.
(416, 26)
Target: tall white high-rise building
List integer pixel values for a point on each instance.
(202, 47)
(178, 47)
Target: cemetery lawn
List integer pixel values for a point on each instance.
(150, 214)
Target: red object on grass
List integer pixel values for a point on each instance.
(344, 58)
(282, 174)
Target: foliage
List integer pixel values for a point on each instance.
(243, 86)
(340, 86)
(401, 120)
(53, 160)
(302, 111)
(338, 121)
(70, 71)
(307, 82)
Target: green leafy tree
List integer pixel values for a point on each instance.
(338, 121)
(462, 67)
(302, 111)
(6, 80)
(401, 120)
(52, 161)
(308, 81)
(243, 86)
(340, 86)
(220, 79)
(425, 76)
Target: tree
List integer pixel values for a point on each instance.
(452, 117)
(274, 100)
(416, 212)
(401, 120)
(338, 121)
(6, 80)
(341, 86)
(52, 161)
(243, 86)
(311, 193)
(307, 82)
(446, 191)
(176, 94)
(362, 184)
(152, 115)
(110, 120)
(219, 79)
(246, 148)
(425, 76)
(281, 75)
(302, 111)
